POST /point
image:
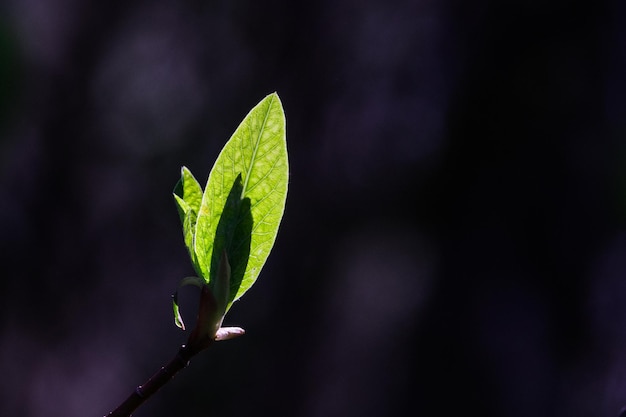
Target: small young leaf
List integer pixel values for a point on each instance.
(244, 199)
(188, 195)
(187, 190)
(198, 282)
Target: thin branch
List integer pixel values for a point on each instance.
(206, 331)
(156, 381)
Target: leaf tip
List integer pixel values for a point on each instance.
(178, 319)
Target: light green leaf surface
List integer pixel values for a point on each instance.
(188, 196)
(244, 199)
(188, 190)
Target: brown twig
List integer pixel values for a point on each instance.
(200, 339)
(207, 330)
(156, 381)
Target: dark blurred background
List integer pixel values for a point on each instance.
(454, 240)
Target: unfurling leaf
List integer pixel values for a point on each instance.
(178, 319)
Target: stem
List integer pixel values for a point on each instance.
(202, 337)
(156, 381)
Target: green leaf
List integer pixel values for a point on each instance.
(178, 319)
(188, 196)
(244, 199)
(188, 190)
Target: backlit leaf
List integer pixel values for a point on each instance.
(244, 199)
